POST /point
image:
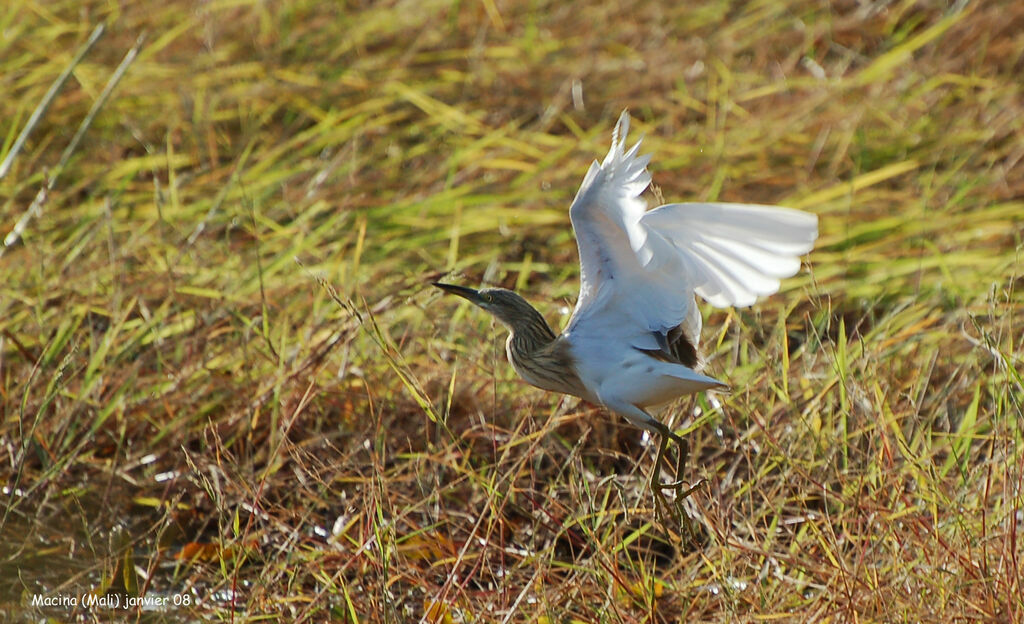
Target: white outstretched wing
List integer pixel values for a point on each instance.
(641, 269)
(734, 252)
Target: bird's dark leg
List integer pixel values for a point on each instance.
(684, 452)
(675, 508)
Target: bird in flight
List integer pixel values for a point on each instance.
(631, 342)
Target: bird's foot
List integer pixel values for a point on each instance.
(674, 509)
(672, 514)
(678, 487)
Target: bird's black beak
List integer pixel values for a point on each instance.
(462, 291)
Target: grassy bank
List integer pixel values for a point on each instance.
(224, 377)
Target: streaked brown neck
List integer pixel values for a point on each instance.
(529, 333)
(541, 358)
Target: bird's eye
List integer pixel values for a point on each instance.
(488, 297)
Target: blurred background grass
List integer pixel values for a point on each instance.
(223, 374)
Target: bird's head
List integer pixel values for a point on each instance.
(506, 306)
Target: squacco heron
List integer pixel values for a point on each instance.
(631, 342)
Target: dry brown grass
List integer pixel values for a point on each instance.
(224, 377)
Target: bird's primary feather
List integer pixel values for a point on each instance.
(735, 252)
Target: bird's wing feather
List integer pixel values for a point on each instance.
(641, 269)
(734, 252)
(606, 214)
